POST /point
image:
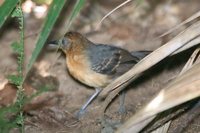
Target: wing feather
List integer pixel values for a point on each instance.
(106, 59)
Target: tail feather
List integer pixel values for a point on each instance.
(140, 54)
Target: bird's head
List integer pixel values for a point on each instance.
(70, 40)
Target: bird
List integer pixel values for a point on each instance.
(95, 65)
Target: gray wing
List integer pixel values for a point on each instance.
(107, 59)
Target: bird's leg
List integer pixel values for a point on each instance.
(109, 125)
(83, 108)
(122, 109)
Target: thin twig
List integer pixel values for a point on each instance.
(108, 14)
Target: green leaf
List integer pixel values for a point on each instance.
(78, 6)
(52, 15)
(16, 47)
(5, 9)
(15, 79)
(6, 123)
(17, 12)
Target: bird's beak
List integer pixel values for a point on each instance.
(56, 44)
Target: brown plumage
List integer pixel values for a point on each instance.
(95, 65)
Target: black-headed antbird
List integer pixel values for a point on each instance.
(95, 65)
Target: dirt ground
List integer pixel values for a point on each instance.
(130, 28)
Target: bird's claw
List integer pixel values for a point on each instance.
(122, 110)
(80, 113)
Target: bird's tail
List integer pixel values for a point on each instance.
(140, 54)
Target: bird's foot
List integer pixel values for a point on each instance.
(80, 114)
(122, 110)
(109, 125)
(84, 107)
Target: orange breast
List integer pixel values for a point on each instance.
(79, 68)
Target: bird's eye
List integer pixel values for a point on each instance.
(64, 41)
